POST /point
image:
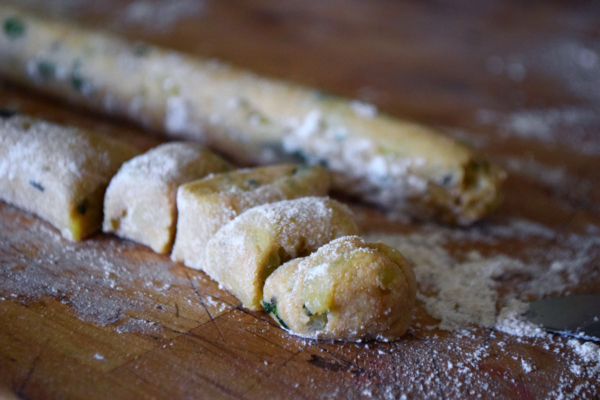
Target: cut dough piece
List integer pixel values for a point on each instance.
(140, 202)
(242, 254)
(391, 162)
(347, 290)
(58, 173)
(206, 205)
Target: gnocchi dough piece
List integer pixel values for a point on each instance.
(347, 290)
(396, 164)
(58, 173)
(205, 206)
(140, 202)
(242, 254)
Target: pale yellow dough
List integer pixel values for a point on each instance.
(390, 162)
(140, 202)
(205, 206)
(347, 290)
(242, 254)
(58, 173)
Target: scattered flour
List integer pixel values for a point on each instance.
(97, 278)
(483, 288)
(575, 64)
(513, 66)
(364, 110)
(588, 351)
(134, 325)
(570, 127)
(461, 290)
(510, 320)
(161, 16)
(567, 188)
(554, 176)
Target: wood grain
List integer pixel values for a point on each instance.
(180, 336)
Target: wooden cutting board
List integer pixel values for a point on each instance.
(107, 318)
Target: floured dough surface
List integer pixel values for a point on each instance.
(58, 173)
(207, 205)
(242, 254)
(140, 202)
(390, 162)
(347, 290)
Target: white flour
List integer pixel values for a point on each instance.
(573, 128)
(161, 15)
(470, 288)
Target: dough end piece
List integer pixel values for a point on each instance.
(347, 290)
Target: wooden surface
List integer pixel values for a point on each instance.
(110, 319)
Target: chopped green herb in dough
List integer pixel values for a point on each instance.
(14, 27)
(46, 69)
(447, 180)
(140, 49)
(271, 308)
(252, 183)
(37, 186)
(76, 79)
(298, 156)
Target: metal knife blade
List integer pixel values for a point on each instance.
(573, 315)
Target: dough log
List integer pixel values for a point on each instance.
(380, 159)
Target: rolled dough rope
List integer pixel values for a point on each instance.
(242, 254)
(140, 202)
(206, 205)
(58, 173)
(393, 163)
(346, 290)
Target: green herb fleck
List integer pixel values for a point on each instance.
(271, 308)
(82, 207)
(447, 180)
(46, 69)
(140, 49)
(78, 82)
(324, 96)
(76, 79)
(306, 310)
(298, 156)
(339, 134)
(36, 185)
(14, 27)
(252, 183)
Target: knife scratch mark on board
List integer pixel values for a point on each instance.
(204, 306)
